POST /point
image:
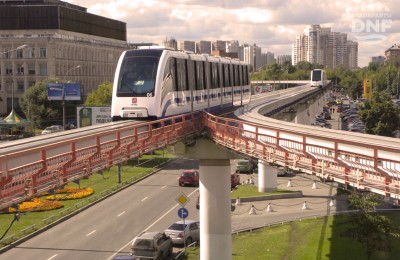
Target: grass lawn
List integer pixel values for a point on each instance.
(244, 191)
(320, 238)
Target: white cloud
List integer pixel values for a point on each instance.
(271, 24)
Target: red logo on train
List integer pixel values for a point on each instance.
(134, 100)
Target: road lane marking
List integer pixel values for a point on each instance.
(169, 211)
(90, 233)
(52, 257)
(144, 199)
(120, 214)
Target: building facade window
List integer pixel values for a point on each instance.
(43, 70)
(31, 69)
(9, 70)
(31, 52)
(20, 69)
(20, 54)
(7, 53)
(20, 86)
(42, 53)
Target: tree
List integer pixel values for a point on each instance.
(36, 106)
(379, 115)
(101, 96)
(369, 228)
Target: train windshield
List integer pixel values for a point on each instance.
(316, 75)
(138, 77)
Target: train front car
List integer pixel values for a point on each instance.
(134, 90)
(318, 78)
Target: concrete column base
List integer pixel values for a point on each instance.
(267, 178)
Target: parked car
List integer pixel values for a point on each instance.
(283, 171)
(52, 129)
(181, 231)
(235, 180)
(152, 245)
(189, 178)
(246, 166)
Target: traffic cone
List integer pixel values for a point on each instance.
(269, 208)
(305, 206)
(238, 201)
(289, 184)
(252, 210)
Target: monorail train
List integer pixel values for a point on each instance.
(318, 78)
(156, 82)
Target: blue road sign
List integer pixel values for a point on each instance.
(183, 213)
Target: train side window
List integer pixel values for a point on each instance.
(174, 72)
(246, 75)
(191, 75)
(200, 75)
(236, 75)
(181, 75)
(240, 75)
(214, 75)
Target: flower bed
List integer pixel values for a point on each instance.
(37, 205)
(71, 193)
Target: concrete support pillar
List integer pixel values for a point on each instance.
(267, 181)
(215, 210)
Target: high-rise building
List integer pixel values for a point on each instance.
(58, 37)
(203, 47)
(232, 46)
(352, 54)
(187, 46)
(219, 45)
(281, 59)
(321, 46)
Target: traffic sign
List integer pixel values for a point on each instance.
(182, 199)
(183, 213)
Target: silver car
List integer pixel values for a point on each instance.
(152, 245)
(181, 231)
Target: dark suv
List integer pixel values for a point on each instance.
(152, 245)
(189, 178)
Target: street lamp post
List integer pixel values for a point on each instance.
(63, 93)
(18, 48)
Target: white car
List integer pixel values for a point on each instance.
(181, 231)
(52, 129)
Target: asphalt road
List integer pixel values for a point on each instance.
(107, 228)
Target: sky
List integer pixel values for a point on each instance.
(270, 24)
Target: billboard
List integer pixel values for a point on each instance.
(71, 91)
(367, 88)
(88, 116)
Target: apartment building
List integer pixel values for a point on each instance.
(322, 46)
(393, 54)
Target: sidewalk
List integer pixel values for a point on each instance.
(335, 120)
